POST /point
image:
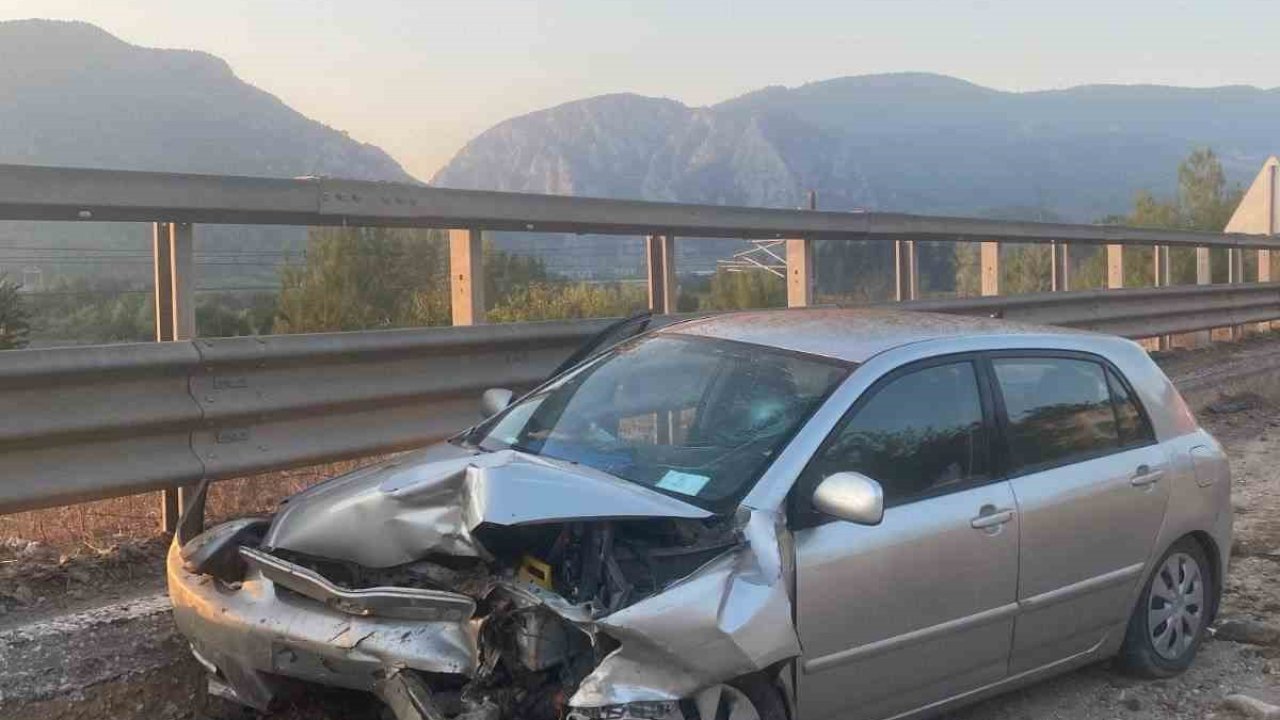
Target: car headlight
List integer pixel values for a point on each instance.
(640, 710)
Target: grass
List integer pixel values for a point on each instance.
(136, 518)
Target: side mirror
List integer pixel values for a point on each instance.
(850, 496)
(495, 400)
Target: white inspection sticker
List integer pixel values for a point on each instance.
(683, 482)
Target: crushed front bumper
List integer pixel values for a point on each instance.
(255, 631)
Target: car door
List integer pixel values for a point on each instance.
(919, 608)
(1087, 475)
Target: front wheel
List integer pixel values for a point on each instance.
(749, 698)
(1171, 616)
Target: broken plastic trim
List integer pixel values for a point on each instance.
(390, 602)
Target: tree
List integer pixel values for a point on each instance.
(1203, 198)
(362, 278)
(1024, 268)
(15, 319)
(368, 277)
(554, 301)
(745, 289)
(1203, 202)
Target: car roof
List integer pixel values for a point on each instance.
(851, 334)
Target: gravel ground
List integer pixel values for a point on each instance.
(37, 585)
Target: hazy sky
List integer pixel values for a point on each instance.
(421, 77)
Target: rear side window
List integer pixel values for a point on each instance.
(920, 434)
(1133, 425)
(1062, 409)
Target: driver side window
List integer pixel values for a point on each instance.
(920, 434)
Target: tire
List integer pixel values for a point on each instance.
(1172, 615)
(752, 697)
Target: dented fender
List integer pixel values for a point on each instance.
(730, 618)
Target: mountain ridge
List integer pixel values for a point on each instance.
(76, 95)
(911, 142)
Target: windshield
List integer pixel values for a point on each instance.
(692, 417)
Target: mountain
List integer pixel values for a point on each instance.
(76, 95)
(900, 142)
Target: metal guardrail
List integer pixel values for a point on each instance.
(1129, 312)
(84, 423)
(51, 193)
(95, 422)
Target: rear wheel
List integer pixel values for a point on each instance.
(1170, 620)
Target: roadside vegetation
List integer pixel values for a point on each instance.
(15, 318)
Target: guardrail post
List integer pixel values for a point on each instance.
(1160, 276)
(906, 270)
(1235, 274)
(466, 276)
(660, 257)
(1059, 267)
(800, 276)
(161, 253)
(173, 258)
(1115, 266)
(1204, 276)
(1264, 276)
(990, 263)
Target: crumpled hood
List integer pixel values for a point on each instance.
(429, 502)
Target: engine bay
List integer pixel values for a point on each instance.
(531, 658)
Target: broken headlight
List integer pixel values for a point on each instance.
(216, 551)
(641, 710)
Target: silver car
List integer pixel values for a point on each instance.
(777, 514)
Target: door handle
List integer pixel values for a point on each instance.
(991, 517)
(1144, 476)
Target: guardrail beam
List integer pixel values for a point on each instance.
(75, 194)
(103, 421)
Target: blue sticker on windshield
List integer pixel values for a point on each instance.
(683, 482)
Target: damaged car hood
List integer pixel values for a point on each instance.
(429, 502)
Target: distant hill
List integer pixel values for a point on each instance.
(76, 95)
(902, 142)
(72, 94)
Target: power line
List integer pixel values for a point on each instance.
(47, 293)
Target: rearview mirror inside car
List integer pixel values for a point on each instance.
(495, 400)
(850, 496)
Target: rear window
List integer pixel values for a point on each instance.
(1062, 409)
(1133, 425)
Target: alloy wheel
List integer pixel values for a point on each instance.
(1175, 608)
